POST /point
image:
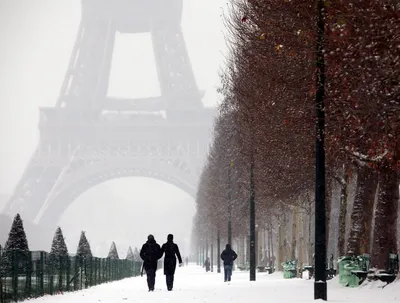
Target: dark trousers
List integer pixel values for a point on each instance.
(170, 281)
(151, 278)
(227, 272)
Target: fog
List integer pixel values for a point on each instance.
(37, 38)
(126, 211)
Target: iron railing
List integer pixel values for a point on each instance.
(25, 275)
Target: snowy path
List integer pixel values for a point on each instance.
(193, 285)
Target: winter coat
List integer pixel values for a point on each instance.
(150, 253)
(207, 264)
(228, 255)
(171, 251)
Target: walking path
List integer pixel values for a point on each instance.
(193, 285)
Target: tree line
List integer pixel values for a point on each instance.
(17, 242)
(267, 120)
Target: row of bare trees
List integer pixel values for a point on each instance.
(267, 118)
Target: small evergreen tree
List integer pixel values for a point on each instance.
(136, 255)
(59, 249)
(16, 245)
(129, 255)
(113, 253)
(83, 250)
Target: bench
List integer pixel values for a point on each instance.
(361, 275)
(269, 269)
(385, 277)
(389, 275)
(364, 262)
(310, 270)
(330, 272)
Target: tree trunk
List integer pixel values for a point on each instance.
(242, 250)
(310, 239)
(301, 241)
(212, 252)
(286, 248)
(279, 257)
(328, 208)
(294, 235)
(385, 230)
(206, 250)
(343, 212)
(269, 245)
(363, 209)
(272, 249)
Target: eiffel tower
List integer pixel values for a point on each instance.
(89, 138)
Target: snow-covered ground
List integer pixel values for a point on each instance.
(193, 285)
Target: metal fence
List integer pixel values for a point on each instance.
(25, 275)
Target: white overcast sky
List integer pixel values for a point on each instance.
(37, 37)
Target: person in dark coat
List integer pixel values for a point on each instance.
(150, 253)
(228, 256)
(171, 251)
(207, 264)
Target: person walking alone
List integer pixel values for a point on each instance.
(228, 256)
(207, 264)
(150, 253)
(171, 251)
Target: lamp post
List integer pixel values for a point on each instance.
(320, 287)
(252, 224)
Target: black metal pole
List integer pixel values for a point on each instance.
(218, 252)
(320, 287)
(252, 224)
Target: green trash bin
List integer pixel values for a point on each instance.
(347, 265)
(343, 273)
(289, 269)
(352, 279)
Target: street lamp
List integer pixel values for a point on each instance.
(320, 287)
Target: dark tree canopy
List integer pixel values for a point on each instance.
(136, 254)
(58, 247)
(17, 237)
(16, 245)
(113, 253)
(129, 255)
(267, 118)
(83, 247)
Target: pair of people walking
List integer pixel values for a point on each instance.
(151, 252)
